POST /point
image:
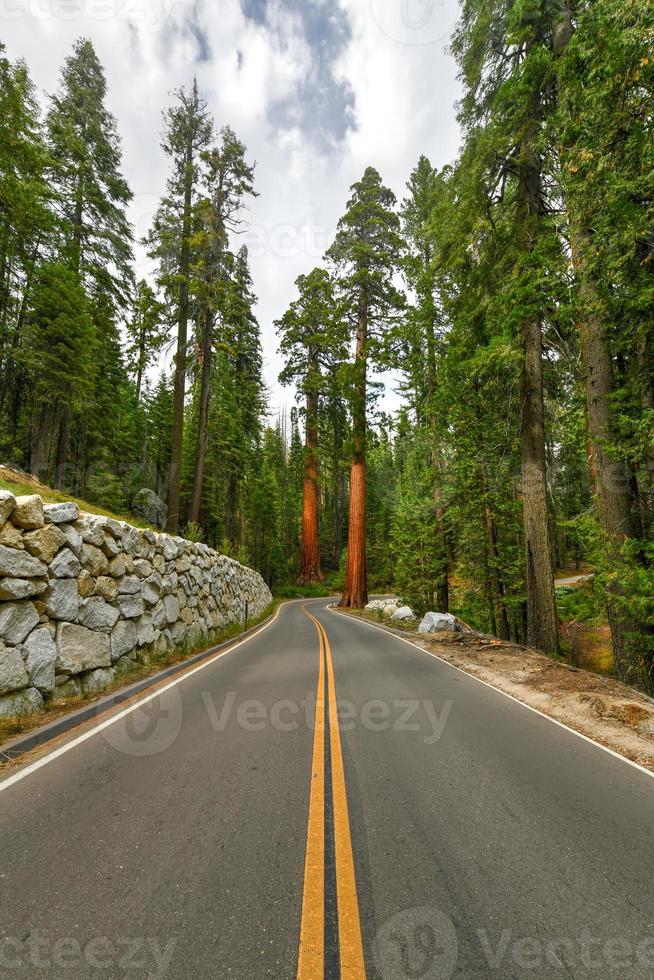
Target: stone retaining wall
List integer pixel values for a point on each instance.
(83, 598)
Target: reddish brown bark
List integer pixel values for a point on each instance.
(355, 594)
(310, 570)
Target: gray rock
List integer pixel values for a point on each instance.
(91, 529)
(124, 638)
(94, 560)
(148, 505)
(110, 547)
(62, 599)
(117, 566)
(21, 588)
(142, 568)
(97, 680)
(179, 632)
(65, 564)
(145, 630)
(80, 649)
(113, 527)
(135, 544)
(434, 622)
(129, 585)
(26, 702)
(28, 512)
(17, 619)
(130, 606)
(18, 564)
(13, 675)
(159, 616)
(71, 688)
(61, 513)
(168, 547)
(124, 665)
(96, 614)
(163, 643)
(152, 589)
(7, 505)
(41, 658)
(171, 606)
(73, 538)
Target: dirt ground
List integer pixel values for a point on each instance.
(602, 708)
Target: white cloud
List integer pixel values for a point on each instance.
(402, 82)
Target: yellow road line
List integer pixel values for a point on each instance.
(352, 962)
(311, 956)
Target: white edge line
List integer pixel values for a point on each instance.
(51, 756)
(529, 707)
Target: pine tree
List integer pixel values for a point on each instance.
(26, 219)
(366, 253)
(419, 357)
(228, 180)
(90, 193)
(507, 101)
(605, 136)
(146, 331)
(187, 133)
(60, 335)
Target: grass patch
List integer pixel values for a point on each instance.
(21, 484)
(302, 592)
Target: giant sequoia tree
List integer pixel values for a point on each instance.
(313, 342)
(365, 253)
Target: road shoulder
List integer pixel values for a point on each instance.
(601, 709)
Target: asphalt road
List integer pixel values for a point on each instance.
(442, 830)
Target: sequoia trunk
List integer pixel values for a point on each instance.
(355, 594)
(310, 570)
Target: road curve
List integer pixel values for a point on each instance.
(229, 828)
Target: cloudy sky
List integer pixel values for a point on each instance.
(316, 89)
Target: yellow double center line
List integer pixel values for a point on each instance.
(311, 958)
